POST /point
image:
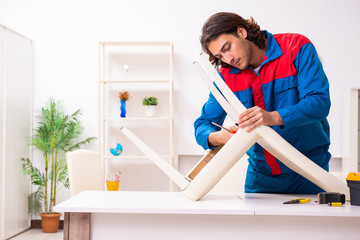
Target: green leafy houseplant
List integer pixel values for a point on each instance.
(150, 104)
(54, 136)
(150, 101)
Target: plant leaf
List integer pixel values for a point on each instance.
(37, 178)
(35, 201)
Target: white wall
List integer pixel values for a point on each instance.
(66, 35)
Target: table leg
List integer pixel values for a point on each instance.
(77, 226)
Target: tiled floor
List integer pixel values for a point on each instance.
(37, 234)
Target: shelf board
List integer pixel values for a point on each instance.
(132, 156)
(136, 81)
(132, 159)
(114, 43)
(128, 119)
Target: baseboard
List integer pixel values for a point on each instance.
(37, 224)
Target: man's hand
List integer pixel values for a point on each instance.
(221, 137)
(256, 116)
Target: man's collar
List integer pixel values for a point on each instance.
(273, 51)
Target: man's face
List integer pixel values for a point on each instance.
(233, 50)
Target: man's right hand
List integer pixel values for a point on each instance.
(220, 137)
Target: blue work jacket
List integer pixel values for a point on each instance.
(292, 82)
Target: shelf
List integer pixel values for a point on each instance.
(111, 43)
(135, 81)
(129, 119)
(132, 156)
(132, 159)
(152, 70)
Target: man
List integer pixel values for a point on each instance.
(280, 80)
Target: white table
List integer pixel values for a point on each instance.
(170, 215)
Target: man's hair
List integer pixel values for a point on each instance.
(228, 23)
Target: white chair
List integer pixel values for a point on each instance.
(85, 171)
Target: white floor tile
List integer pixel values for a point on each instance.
(38, 234)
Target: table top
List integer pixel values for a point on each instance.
(153, 202)
(212, 203)
(272, 204)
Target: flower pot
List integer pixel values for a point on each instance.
(150, 110)
(50, 222)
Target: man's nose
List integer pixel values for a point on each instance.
(228, 57)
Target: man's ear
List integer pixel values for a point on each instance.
(242, 32)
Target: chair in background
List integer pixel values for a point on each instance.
(85, 171)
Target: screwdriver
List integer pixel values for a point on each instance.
(298, 200)
(230, 131)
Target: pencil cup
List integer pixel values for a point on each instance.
(112, 186)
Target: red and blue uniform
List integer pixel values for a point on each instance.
(292, 82)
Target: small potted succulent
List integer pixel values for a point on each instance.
(124, 96)
(150, 104)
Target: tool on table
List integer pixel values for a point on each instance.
(297, 200)
(230, 131)
(326, 197)
(335, 204)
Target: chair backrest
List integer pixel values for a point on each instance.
(85, 171)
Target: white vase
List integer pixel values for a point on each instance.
(150, 110)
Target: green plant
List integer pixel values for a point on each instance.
(54, 136)
(150, 101)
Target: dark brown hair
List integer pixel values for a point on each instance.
(228, 23)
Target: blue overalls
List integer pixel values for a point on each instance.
(292, 82)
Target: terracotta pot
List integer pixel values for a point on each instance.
(50, 222)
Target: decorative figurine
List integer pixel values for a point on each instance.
(126, 69)
(116, 150)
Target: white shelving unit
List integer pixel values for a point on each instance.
(351, 131)
(150, 73)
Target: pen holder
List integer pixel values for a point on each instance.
(112, 186)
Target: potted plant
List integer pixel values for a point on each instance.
(53, 137)
(124, 96)
(150, 104)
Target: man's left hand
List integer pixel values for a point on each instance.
(256, 116)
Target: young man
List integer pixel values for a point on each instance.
(280, 80)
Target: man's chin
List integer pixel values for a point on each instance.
(241, 67)
(235, 66)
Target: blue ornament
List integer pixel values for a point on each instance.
(117, 150)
